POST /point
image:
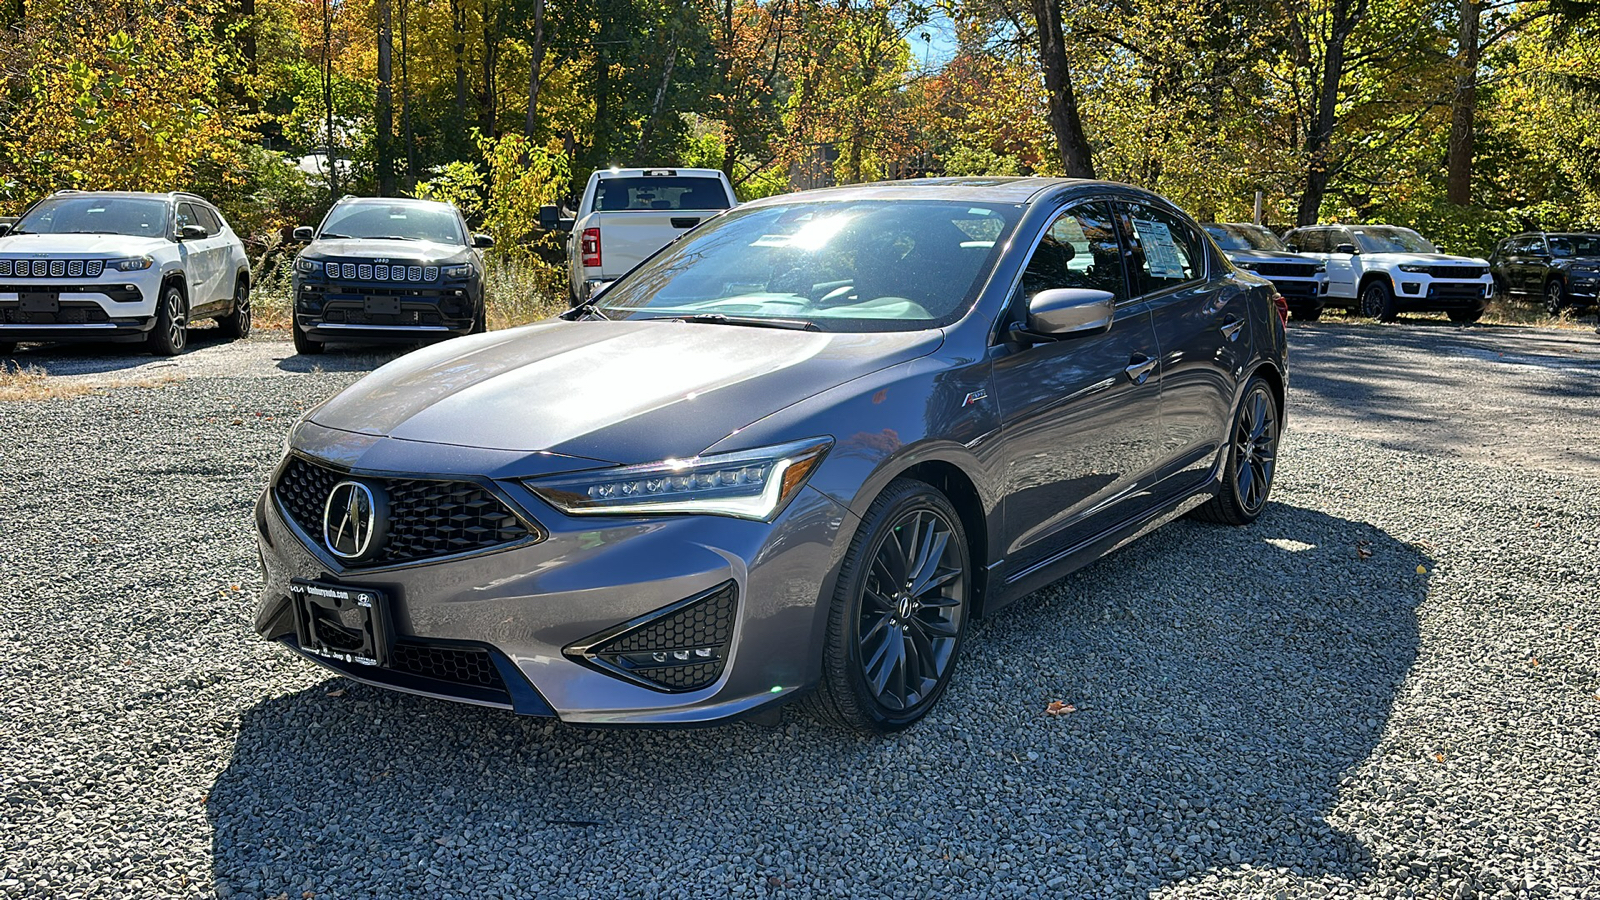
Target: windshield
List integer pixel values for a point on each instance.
(619, 194)
(1568, 245)
(398, 221)
(1392, 240)
(1243, 237)
(843, 265)
(132, 216)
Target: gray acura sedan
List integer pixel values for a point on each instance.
(792, 454)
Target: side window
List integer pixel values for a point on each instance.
(209, 219)
(1166, 250)
(1312, 240)
(1338, 237)
(187, 216)
(1078, 250)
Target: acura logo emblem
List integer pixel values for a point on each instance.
(351, 520)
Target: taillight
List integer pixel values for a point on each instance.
(1283, 307)
(591, 247)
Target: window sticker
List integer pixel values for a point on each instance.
(1160, 252)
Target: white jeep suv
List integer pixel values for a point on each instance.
(1380, 271)
(114, 266)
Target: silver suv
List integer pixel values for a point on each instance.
(121, 266)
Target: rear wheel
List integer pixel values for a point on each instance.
(303, 343)
(1555, 298)
(1252, 460)
(1306, 314)
(1377, 301)
(236, 325)
(899, 612)
(7, 348)
(1466, 316)
(171, 332)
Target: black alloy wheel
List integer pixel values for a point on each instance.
(235, 326)
(171, 331)
(303, 343)
(899, 613)
(1377, 301)
(1252, 460)
(1554, 298)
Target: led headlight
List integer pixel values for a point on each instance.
(130, 263)
(748, 484)
(1247, 265)
(1415, 269)
(309, 266)
(461, 271)
(1322, 267)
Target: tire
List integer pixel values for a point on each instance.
(1252, 459)
(7, 348)
(865, 660)
(303, 344)
(171, 332)
(1377, 301)
(1306, 315)
(480, 322)
(1555, 298)
(1466, 316)
(235, 326)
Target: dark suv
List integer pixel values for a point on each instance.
(384, 269)
(1561, 269)
(1301, 280)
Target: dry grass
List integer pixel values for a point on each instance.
(1501, 311)
(33, 383)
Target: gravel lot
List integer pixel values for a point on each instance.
(1389, 687)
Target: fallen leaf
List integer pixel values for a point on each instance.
(307, 895)
(237, 422)
(1057, 708)
(1422, 570)
(1363, 549)
(1439, 756)
(774, 881)
(1534, 661)
(336, 692)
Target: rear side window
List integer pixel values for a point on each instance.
(1078, 250)
(209, 220)
(622, 194)
(1166, 250)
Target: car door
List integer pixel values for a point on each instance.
(1342, 267)
(1200, 326)
(1080, 417)
(198, 266)
(217, 253)
(1534, 264)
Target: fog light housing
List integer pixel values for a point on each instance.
(1410, 287)
(681, 647)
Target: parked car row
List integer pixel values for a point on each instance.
(1560, 269)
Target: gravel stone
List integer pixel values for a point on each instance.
(1294, 709)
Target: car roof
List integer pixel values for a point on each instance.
(135, 195)
(392, 201)
(1233, 224)
(970, 189)
(643, 171)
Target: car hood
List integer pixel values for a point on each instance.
(1426, 258)
(1268, 256)
(619, 391)
(96, 246)
(410, 251)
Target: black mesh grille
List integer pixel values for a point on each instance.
(1292, 269)
(427, 519)
(1297, 290)
(67, 315)
(1458, 271)
(461, 666)
(647, 651)
(1443, 291)
(361, 317)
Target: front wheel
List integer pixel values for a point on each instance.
(303, 343)
(1377, 301)
(171, 332)
(7, 348)
(1252, 460)
(1554, 298)
(1466, 316)
(1306, 314)
(235, 326)
(899, 612)
(480, 322)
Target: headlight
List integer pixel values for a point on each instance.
(462, 271)
(309, 266)
(1415, 269)
(130, 263)
(1247, 265)
(748, 484)
(1322, 267)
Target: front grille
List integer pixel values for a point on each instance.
(426, 519)
(90, 314)
(1292, 270)
(1448, 291)
(362, 317)
(51, 268)
(1300, 290)
(381, 272)
(1457, 271)
(453, 664)
(681, 648)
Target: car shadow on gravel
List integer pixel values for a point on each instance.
(1221, 684)
(105, 357)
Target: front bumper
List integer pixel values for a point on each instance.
(1424, 292)
(115, 307)
(533, 607)
(376, 311)
(1301, 293)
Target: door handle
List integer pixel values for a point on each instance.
(1231, 326)
(1139, 368)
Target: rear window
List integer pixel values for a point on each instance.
(659, 192)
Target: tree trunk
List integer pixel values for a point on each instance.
(458, 13)
(488, 121)
(384, 136)
(405, 98)
(1077, 157)
(1346, 15)
(535, 68)
(661, 93)
(330, 162)
(1463, 108)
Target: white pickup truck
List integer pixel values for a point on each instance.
(628, 214)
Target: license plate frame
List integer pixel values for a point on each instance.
(383, 306)
(338, 621)
(39, 301)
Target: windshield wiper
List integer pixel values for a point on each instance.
(393, 237)
(751, 321)
(585, 310)
(330, 234)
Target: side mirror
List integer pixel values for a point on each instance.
(1292, 248)
(1068, 312)
(550, 219)
(482, 241)
(5, 228)
(1346, 248)
(304, 234)
(191, 233)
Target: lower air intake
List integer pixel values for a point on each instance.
(683, 647)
